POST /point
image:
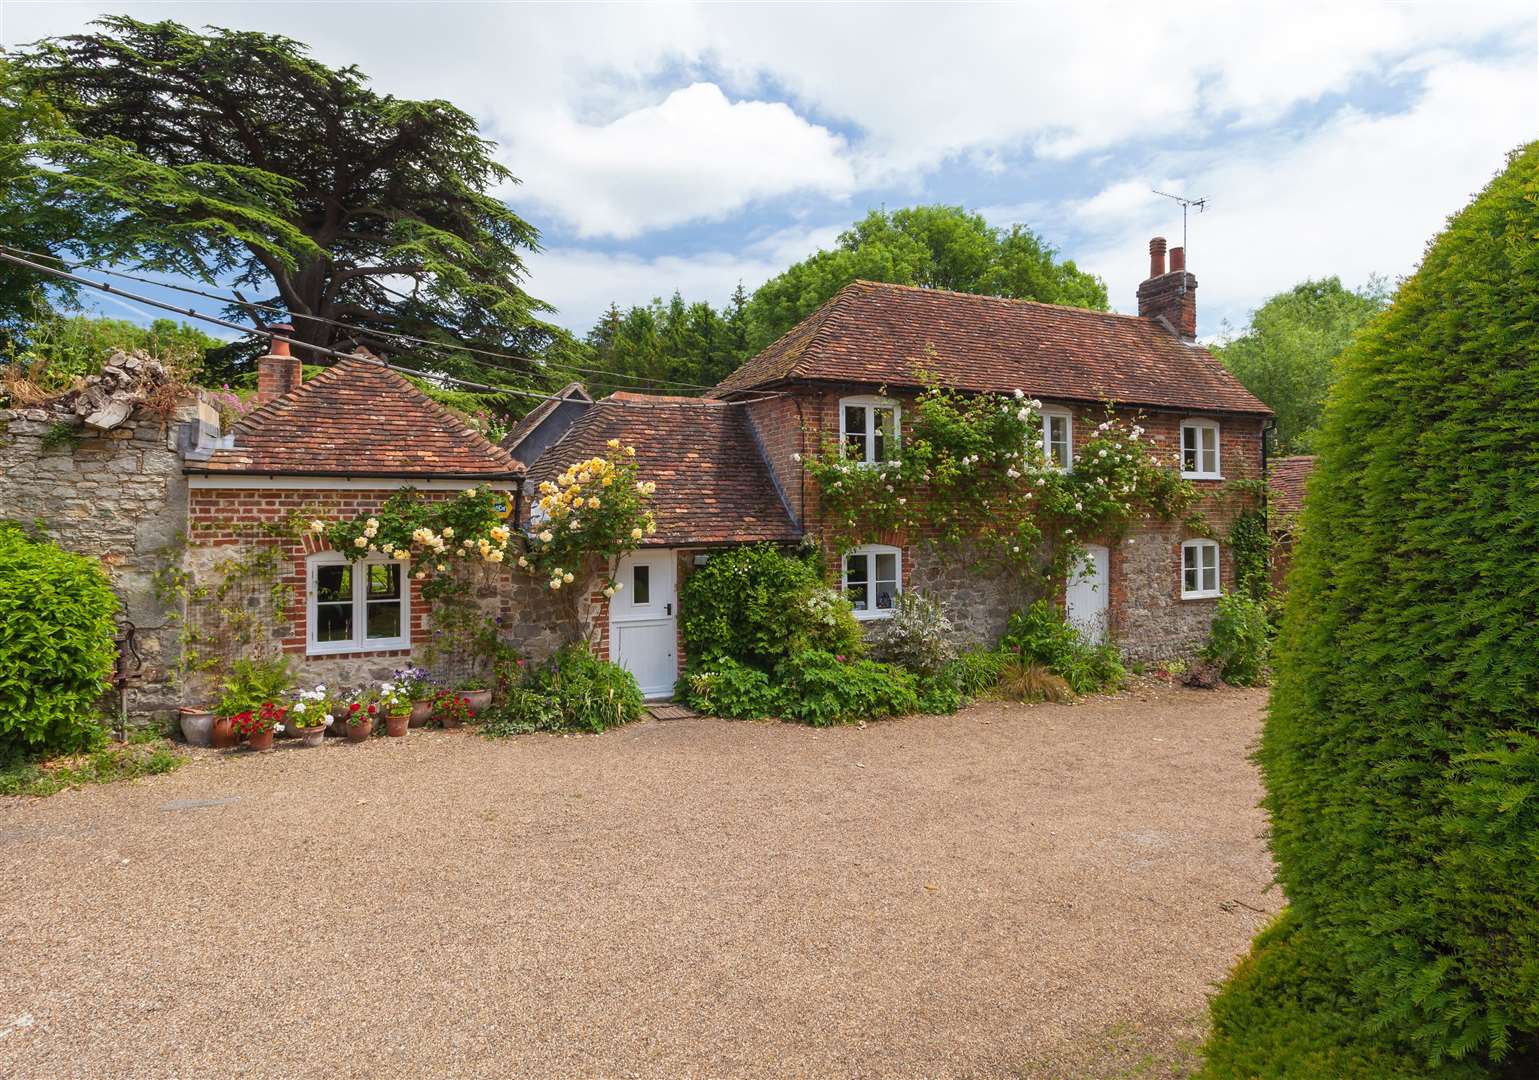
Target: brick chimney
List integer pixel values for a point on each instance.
(279, 372)
(1169, 294)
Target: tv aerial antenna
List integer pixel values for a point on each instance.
(1186, 204)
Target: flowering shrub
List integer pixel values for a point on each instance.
(435, 535)
(415, 683)
(360, 712)
(267, 718)
(595, 507)
(973, 467)
(230, 406)
(917, 636)
(392, 698)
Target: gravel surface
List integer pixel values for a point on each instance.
(974, 895)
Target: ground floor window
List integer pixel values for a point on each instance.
(358, 606)
(872, 580)
(1199, 569)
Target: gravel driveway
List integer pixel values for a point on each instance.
(977, 895)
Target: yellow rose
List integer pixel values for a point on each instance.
(613, 444)
(636, 534)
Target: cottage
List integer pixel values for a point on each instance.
(730, 467)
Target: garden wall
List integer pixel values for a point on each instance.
(118, 495)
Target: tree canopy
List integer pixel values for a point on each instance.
(1401, 749)
(657, 345)
(938, 247)
(236, 158)
(1288, 353)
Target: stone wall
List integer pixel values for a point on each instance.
(978, 597)
(118, 495)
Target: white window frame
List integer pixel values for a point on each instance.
(1199, 427)
(358, 643)
(1047, 446)
(1197, 547)
(870, 552)
(871, 403)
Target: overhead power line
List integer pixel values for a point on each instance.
(193, 313)
(408, 338)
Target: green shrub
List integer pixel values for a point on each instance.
(1288, 1011)
(939, 694)
(821, 689)
(1401, 748)
(56, 649)
(759, 606)
(146, 753)
(917, 636)
(1040, 635)
(976, 671)
(519, 712)
(1240, 640)
(724, 687)
(588, 694)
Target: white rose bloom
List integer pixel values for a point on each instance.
(555, 583)
(567, 577)
(360, 542)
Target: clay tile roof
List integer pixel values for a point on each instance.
(359, 418)
(712, 483)
(880, 334)
(1288, 478)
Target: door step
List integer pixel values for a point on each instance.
(667, 710)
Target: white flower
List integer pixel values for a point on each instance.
(465, 543)
(448, 532)
(442, 567)
(1100, 453)
(546, 537)
(1041, 480)
(372, 523)
(320, 688)
(328, 719)
(567, 577)
(278, 728)
(609, 591)
(636, 533)
(619, 585)
(1079, 506)
(1019, 393)
(360, 542)
(523, 561)
(469, 492)
(555, 583)
(796, 457)
(317, 526)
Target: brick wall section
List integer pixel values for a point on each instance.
(117, 495)
(534, 620)
(1146, 614)
(777, 425)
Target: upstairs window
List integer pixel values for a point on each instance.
(1058, 438)
(868, 429)
(362, 606)
(1199, 570)
(872, 580)
(1199, 450)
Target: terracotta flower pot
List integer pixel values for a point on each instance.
(311, 736)
(359, 732)
(421, 712)
(197, 726)
(480, 700)
(221, 735)
(260, 740)
(396, 724)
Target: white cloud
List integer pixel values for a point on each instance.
(1360, 194)
(694, 156)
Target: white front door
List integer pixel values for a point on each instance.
(642, 619)
(1087, 594)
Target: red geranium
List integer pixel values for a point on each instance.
(267, 718)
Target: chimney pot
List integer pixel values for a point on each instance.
(1177, 259)
(1157, 257)
(279, 372)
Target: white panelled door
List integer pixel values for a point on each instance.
(642, 621)
(1088, 592)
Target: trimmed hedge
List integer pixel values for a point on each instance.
(1401, 750)
(56, 649)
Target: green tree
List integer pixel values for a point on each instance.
(63, 346)
(939, 247)
(1287, 355)
(652, 347)
(1401, 749)
(233, 156)
(27, 220)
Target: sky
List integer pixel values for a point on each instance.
(689, 147)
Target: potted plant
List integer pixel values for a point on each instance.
(397, 709)
(197, 725)
(358, 718)
(311, 715)
(417, 686)
(477, 691)
(258, 726)
(251, 684)
(451, 710)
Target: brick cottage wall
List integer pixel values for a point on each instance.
(532, 618)
(117, 495)
(1146, 614)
